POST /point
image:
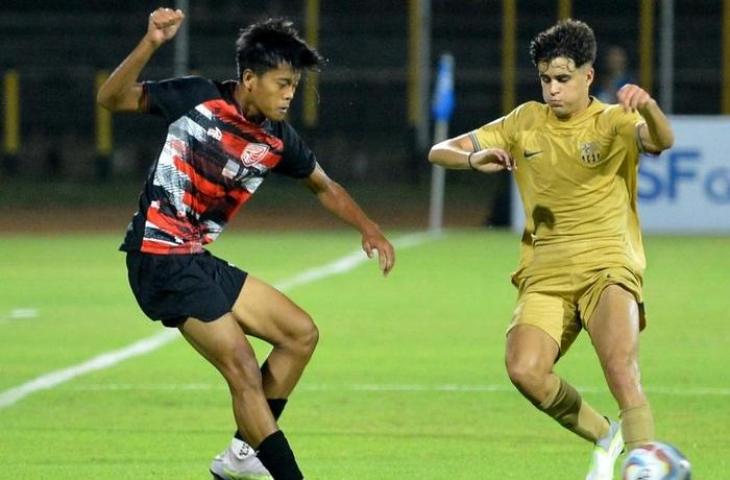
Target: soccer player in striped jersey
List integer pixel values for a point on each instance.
(223, 139)
(575, 161)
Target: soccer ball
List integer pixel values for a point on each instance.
(656, 461)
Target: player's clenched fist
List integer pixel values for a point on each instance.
(633, 97)
(163, 25)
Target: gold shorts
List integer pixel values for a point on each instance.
(562, 311)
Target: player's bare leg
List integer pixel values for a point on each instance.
(224, 345)
(268, 314)
(614, 331)
(531, 355)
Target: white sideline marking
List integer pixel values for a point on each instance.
(493, 388)
(109, 359)
(105, 360)
(19, 314)
(346, 263)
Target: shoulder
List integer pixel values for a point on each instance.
(611, 110)
(198, 80)
(183, 83)
(283, 130)
(292, 142)
(226, 89)
(298, 161)
(607, 111)
(206, 87)
(531, 107)
(181, 90)
(173, 97)
(615, 117)
(528, 114)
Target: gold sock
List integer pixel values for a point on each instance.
(566, 406)
(637, 426)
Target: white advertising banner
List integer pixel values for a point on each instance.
(685, 190)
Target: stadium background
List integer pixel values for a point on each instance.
(371, 113)
(408, 380)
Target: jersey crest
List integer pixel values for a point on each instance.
(254, 153)
(590, 153)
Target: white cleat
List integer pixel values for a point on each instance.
(607, 450)
(238, 462)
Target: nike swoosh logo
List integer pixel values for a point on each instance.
(531, 154)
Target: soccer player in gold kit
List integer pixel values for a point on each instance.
(575, 161)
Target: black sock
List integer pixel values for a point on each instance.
(276, 405)
(276, 455)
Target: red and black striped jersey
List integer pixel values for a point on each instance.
(212, 162)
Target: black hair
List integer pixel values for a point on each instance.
(267, 44)
(568, 38)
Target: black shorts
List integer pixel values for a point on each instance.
(171, 288)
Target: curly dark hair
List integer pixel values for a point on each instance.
(267, 44)
(568, 38)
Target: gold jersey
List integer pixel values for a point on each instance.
(578, 183)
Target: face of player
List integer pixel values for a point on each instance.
(565, 86)
(269, 95)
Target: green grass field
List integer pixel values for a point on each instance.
(407, 382)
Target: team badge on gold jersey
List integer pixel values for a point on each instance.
(590, 153)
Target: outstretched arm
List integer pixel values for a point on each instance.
(656, 134)
(122, 91)
(458, 153)
(336, 199)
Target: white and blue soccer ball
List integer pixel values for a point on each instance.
(656, 461)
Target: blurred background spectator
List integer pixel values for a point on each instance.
(612, 74)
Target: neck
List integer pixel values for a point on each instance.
(245, 106)
(582, 107)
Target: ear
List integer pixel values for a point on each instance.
(248, 78)
(590, 75)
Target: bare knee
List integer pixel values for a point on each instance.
(527, 375)
(302, 339)
(310, 337)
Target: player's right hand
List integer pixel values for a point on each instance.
(492, 160)
(163, 25)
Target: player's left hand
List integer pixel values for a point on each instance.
(632, 98)
(373, 240)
